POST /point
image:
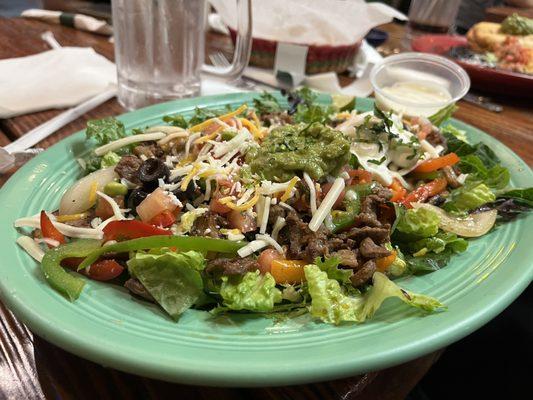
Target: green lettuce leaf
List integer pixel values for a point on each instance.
(173, 279)
(427, 263)
(521, 196)
(176, 120)
(469, 197)
(417, 224)
(437, 244)
(330, 266)
(457, 143)
(266, 103)
(331, 304)
(496, 178)
(105, 130)
(383, 288)
(328, 301)
(252, 292)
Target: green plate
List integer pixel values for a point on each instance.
(106, 325)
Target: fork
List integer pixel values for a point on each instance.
(219, 60)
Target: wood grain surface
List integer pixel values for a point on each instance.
(31, 368)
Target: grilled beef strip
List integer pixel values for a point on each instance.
(232, 266)
(128, 168)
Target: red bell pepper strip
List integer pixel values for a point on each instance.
(49, 231)
(438, 163)
(422, 193)
(131, 229)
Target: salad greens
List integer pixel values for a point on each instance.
(251, 292)
(173, 279)
(290, 207)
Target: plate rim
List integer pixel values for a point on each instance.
(193, 375)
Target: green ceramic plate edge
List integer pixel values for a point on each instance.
(240, 370)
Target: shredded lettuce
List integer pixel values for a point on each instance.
(252, 292)
(176, 120)
(417, 224)
(173, 279)
(330, 303)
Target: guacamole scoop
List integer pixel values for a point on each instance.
(287, 150)
(517, 25)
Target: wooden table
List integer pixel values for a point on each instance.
(33, 368)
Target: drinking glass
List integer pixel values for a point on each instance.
(159, 48)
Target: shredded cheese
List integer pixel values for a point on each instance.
(168, 129)
(312, 192)
(264, 215)
(117, 144)
(30, 247)
(255, 119)
(211, 136)
(188, 178)
(271, 242)
(278, 226)
(251, 127)
(252, 247)
(286, 206)
(327, 204)
(191, 139)
(67, 230)
(173, 136)
(288, 191)
(114, 206)
(48, 241)
(202, 125)
(227, 201)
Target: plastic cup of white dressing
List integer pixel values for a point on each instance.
(418, 84)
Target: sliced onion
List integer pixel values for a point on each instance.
(474, 225)
(77, 198)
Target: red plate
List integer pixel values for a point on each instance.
(491, 80)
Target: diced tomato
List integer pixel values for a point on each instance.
(424, 192)
(103, 270)
(242, 221)
(288, 271)
(438, 163)
(48, 229)
(104, 209)
(131, 229)
(266, 258)
(360, 176)
(163, 220)
(217, 207)
(155, 203)
(398, 191)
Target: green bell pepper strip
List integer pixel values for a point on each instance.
(352, 203)
(183, 243)
(68, 285)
